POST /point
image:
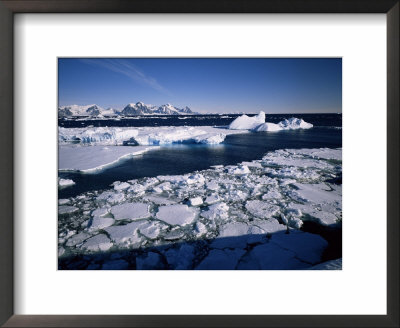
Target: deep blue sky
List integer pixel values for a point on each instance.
(286, 85)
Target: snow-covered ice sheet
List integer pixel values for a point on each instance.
(99, 135)
(144, 136)
(95, 157)
(244, 216)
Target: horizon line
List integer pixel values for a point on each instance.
(203, 111)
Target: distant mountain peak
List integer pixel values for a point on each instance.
(131, 109)
(142, 109)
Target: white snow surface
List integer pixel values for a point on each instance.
(243, 221)
(93, 158)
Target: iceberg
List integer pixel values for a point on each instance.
(258, 124)
(245, 122)
(268, 127)
(294, 123)
(171, 135)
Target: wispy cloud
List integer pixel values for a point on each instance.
(126, 68)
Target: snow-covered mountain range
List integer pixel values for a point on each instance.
(129, 110)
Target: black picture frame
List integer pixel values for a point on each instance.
(10, 7)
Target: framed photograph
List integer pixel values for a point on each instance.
(199, 164)
(172, 187)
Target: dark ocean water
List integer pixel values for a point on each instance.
(194, 120)
(181, 159)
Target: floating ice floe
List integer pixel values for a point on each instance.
(130, 211)
(257, 124)
(98, 223)
(98, 243)
(262, 209)
(219, 210)
(196, 201)
(176, 214)
(64, 209)
(125, 235)
(63, 201)
(65, 182)
(211, 219)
